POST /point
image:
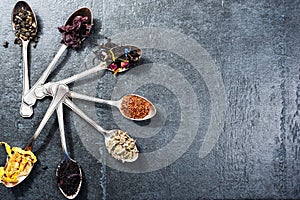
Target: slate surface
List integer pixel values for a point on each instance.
(254, 47)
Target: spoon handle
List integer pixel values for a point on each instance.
(79, 112)
(76, 77)
(59, 96)
(30, 98)
(60, 116)
(76, 95)
(25, 110)
(25, 67)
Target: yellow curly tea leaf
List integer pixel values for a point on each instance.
(19, 163)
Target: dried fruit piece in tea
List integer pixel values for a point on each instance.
(121, 146)
(25, 26)
(135, 107)
(74, 34)
(69, 177)
(19, 163)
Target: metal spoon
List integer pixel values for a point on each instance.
(25, 110)
(30, 97)
(59, 92)
(62, 169)
(118, 104)
(106, 62)
(106, 133)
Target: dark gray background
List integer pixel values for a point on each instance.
(254, 44)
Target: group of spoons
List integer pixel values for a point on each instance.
(133, 107)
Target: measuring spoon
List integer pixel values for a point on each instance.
(25, 110)
(60, 92)
(134, 55)
(123, 105)
(68, 170)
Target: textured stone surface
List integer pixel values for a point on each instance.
(255, 46)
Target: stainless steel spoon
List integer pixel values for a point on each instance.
(25, 110)
(118, 104)
(115, 52)
(108, 134)
(68, 170)
(59, 93)
(30, 97)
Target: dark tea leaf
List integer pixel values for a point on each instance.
(69, 177)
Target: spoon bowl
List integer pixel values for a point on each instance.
(125, 104)
(69, 172)
(119, 58)
(25, 6)
(121, 146)
(77, 27)
(19, 164)
(20, 177)
(84, 12)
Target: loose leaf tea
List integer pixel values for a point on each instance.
(121, 146)
(5, 44)
(74, 34)
(69, 177)
(135, 107)
(123, 61)
(119, 58)
(25, 25)
(19, 163)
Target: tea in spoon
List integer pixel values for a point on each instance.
(18, 165)
(132, 106)
(68, 173)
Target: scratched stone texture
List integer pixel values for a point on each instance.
(255, 46)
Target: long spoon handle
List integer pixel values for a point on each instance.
(79, 112)
(30, 98)
(101, 66)
(59, 96)
(25, 110)
(25, 67)
(60, 116)
(76, 95)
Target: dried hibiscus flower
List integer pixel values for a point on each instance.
(74, 34)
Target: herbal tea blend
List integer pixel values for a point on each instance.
(135, 107)
(75, 33)
(19, 163)
(25, 26)
(69, 177)
(124, 61)
(121, 146)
